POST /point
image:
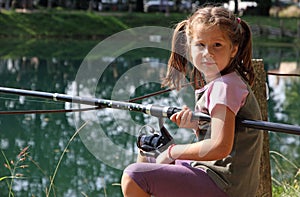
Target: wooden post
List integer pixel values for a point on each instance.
(298, 29)
(281, 28)
(259, 89)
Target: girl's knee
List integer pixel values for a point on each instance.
(126, 179)
(130, 187)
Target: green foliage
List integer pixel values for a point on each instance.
(76, 24)
(286, 171)
(292, 105)
(289, 185)
(60, 48)
(288, 23)
(62, 24)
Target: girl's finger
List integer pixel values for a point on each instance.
(185, 114)
(175, 117)
(190, 115)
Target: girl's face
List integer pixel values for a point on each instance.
(211, 50)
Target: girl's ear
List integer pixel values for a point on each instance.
(234, 50)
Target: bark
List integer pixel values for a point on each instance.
(259, 89)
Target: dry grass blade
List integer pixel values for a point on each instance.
(48, 191)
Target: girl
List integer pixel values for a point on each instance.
(225, 160)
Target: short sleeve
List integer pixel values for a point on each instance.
(228, 90)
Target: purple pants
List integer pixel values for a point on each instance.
(179, 180)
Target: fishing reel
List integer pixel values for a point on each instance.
(153, 142)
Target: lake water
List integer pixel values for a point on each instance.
(84, 153)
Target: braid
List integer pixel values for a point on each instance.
(177, 64)
(246, 48)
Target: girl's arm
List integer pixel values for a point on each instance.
(217, 147)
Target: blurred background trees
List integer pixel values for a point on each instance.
(255, 7)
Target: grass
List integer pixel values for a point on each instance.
(96, 25)
(48, 190)
(13, 167)
(65, 24)
(288, 23)
(281, 188)
(289, 186)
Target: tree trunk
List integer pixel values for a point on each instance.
(27, 4)
(13, 4)
(259, 89)
(91, 5)
(140, 6)
(264, 7)
(7, 4)
(236, 7)
(49, 4)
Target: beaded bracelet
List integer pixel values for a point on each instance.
(169, 151)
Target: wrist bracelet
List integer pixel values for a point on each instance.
(169, 151)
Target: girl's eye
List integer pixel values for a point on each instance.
(199, 45)
(217, 44)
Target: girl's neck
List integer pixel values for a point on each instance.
(212, 77)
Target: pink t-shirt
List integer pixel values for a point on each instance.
(229, 90)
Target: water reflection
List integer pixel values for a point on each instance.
(82, 171)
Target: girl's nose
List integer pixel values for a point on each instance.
(207, 52)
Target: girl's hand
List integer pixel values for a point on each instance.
(183, 118)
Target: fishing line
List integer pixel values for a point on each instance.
(15, 112)
(48, 111)
(97, 108)
(29, 100)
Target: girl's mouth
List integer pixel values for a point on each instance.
(208, 63)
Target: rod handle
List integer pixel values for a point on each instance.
(196, 115)
(172, 110)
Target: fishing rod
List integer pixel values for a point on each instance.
(153, 110)
(130, 100)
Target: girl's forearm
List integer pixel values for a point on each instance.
(205, 150)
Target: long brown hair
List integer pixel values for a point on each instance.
(237, 31)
